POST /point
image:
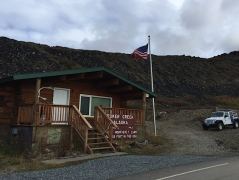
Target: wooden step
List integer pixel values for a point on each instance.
(99, 143)
(101, 148)
(95, 133)
(95, 138)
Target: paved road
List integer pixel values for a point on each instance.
(107, 168)
(220, 169)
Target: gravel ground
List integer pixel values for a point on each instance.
(108, 168)
(185, 126)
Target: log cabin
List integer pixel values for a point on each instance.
(89, 106)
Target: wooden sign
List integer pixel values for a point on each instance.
(126, 126)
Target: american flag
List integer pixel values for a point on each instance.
(141, 52)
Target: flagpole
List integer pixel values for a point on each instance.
(152, 85)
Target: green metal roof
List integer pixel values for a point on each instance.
(79, 71)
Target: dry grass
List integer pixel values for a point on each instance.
(20, 163)
(154, 145)
(11, 161)
(227, 101)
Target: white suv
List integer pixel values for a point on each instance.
(220, 119)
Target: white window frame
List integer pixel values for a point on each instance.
(68, 90)
(68, 101)
(91, 96)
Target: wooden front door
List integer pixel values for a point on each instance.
(60, 97)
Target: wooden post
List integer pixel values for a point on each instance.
(71, 138)
(86, 140)
(18, 116)
(144, 105)
(36, 109)
(38, 86)
(111, 134)
(72, 120)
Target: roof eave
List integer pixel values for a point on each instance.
(75, 71)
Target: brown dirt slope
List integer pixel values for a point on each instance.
(174, 75)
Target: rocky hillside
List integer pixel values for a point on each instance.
(174, 75)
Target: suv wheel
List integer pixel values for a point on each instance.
(204, 127)
(219, 126)
(235, 125)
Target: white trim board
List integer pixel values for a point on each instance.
(90, 96)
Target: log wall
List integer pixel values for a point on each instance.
(27, 92)
(7, 104)
(22, 92)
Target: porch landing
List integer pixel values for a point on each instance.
(64, 160)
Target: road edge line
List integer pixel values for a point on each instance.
(192, 171)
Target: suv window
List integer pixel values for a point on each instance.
(226, 114)
(217, 114)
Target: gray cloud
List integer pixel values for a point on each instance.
(192, 27)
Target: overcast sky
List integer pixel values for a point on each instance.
(192, 27)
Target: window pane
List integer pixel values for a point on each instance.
(85, 105)
(98, 101)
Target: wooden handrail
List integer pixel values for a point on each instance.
(107, 117)
(122, 108)
(55, 105)
(81, 126)
(104, 124)
(82, 117)
(51, 114)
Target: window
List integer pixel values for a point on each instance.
(85, 105)
(89, 102)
